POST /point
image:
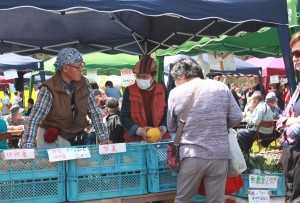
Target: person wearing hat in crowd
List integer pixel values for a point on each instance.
(15, 120)
(114, 125)
(271, 100)
(144, 103)
(262, 112)
(58, 117)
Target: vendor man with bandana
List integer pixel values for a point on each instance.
(58, 117)
(144, 103)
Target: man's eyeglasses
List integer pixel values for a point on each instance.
(296, 53)
(78, 67)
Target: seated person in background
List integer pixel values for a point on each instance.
(262, 112)
(114, 126)
(95, 88)
(112, 91)
(271, 100)
(3, 129)
(30, 105)
(15, 120)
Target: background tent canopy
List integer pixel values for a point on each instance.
(105, 64)
(259, 44)
(242, 67)
(20, 63)
(130, 26)
(270, 65)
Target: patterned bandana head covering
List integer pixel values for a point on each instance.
(67, 56)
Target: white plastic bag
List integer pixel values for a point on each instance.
(237, 163)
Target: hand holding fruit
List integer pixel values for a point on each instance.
(154, 134)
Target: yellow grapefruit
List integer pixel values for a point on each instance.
(154, 134)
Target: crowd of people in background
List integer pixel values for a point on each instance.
(69, 111)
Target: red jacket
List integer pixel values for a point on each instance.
(137, 111)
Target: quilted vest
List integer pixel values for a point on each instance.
(137, 111)
(60, 115)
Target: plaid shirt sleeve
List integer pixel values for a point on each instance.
(95, 115)
(38, 114)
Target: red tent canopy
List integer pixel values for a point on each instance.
(3, 81)
(269, 65)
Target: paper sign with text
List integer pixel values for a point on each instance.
(62, 154)
(112, 148)
(10, 74)
(14, 154)
(258, 196)
(257, 181)
(127, 77)
(274, 79)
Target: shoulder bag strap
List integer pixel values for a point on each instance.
(186, 112)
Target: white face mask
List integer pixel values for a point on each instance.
(143, 84)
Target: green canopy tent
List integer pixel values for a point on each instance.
(260, 44)
(105, 64)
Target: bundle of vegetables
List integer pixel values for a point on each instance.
(267, 162)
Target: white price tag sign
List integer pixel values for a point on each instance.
(274, 79)
(14, 154)
(256, 181)
(258, 196)
(112, 148)
(62, 154)
(10, 74)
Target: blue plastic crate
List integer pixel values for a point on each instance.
(110, 185)
(37, 168)
(162, 180)
(278, 192)
(157, 154)
(132, 160)
(198, 199)
(46, 190)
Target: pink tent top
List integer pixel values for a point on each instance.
(3, 81)
(269, 65)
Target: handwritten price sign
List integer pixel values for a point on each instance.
(256, 181)
(18, 154)
(112, 148)
(62, 154)
(259, 196)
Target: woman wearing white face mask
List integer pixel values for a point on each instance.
(144, 103)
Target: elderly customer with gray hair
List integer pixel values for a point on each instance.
(271, 100)
(204, 145)
(59, 115)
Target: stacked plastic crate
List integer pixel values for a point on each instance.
(160, 178)
(32, 180)
(275, 192)
(107, 175)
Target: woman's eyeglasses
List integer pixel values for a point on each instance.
(78, 67)
(296, 53)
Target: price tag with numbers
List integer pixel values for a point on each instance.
(62, 154)
(14, 154)
(112, 148)
(269, 181)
